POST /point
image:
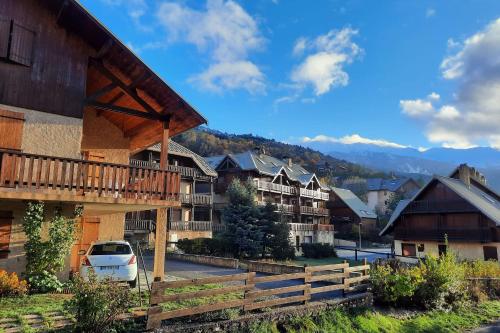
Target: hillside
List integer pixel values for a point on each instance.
(207, 142)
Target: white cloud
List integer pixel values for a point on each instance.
(324, 66)
(430, 12)
(416, 107)
(473, 116)
(353, 139)
(226, 33)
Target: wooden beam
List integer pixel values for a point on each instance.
(104, 48)
(161, 215)
(120, 109)
(131, 92)
(100, 92)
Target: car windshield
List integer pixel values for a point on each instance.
(110, 248)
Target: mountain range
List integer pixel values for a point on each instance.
(414, 162)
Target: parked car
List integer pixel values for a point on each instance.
(113, 259)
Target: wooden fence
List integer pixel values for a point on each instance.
(314, 280)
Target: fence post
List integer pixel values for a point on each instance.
(307, 281)
(356, 254)
(343, 278)
(251, 284)
(154, 309)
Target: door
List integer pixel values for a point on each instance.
(5, 230)
(89, 232)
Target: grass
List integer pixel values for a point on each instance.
(370, 321)
(42, 304)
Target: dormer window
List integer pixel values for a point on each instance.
(16, 43)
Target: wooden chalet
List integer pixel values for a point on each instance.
(75, 104)
(459, 208)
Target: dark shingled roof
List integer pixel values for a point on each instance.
(379, 184)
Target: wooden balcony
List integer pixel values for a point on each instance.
(307, 210)
(323, 227)
(185, 172)
(46, 178)
(301, 227)
(275, 188)
(281, 208)
(140, 225)
(483, 235)
(315, 194)
(450, 206)
(196, 199)
(218, 227)
(190, 225)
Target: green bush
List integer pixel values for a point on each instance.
(96, 305)
(203, 246)
(480, 285)
(394, 285)
(318, 250)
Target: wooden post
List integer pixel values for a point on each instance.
(161, 215)
(343, 279)
(249, 281)
(307, 283)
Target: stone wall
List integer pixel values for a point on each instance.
(272, 268)
(205, 260)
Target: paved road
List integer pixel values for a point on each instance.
(493, 328)
(186, 270)
(371, 257)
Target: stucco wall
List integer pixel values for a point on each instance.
(16, 260)
(49, 134)
(463, 250)
(103, 137)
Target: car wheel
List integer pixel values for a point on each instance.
(133, 283)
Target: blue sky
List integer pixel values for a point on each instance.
(394, 73)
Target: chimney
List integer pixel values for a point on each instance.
(288, 160)
(466, 174)
(259, 150)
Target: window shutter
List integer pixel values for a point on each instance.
(5, 231)
(4, 37)
(21, 47)
(11, 129)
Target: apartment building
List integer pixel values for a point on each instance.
(75, 104)
(299, 196)
(193, 219)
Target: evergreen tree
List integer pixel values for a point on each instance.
(276, 238)
(241, 217)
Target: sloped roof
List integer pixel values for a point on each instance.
(379, 184)
(354, 203)
(265, 164)
(484, 202)
(176, 149)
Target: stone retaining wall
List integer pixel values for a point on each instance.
(205, 260)
(272, 268)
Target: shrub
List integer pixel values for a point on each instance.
(96, 305)
(444, 285)
(203, 246)
(318, 250)
(11, 285)
(480, 286)
(394, 285)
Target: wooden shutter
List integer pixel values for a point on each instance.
(4, 37)
(5, 230)
(11, 129)
(409, 250)
(21, 46)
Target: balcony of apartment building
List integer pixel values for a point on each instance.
(48, 178)
(281, 207)
(310, 210)
(267, 186)
(303, 227)
(184, 171)
(314, 194)
(199, 199)
(196, 219)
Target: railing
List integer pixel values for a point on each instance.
(301, 227)
(316, 194)
(314, 210)
(37, 172)
(281, 208)
(196, 199)
(248, 297)
(190, 225)
(184, 171)
(323, 227)
(218, 227)
(142, 225)
(449, 206)
(272, 187)
(438, 234)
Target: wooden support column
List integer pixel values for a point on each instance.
(161, 216)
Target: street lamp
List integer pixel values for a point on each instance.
(359, 233)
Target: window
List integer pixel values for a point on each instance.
(16, 42)
(110, 249)
(408, 250)
(490, 253)
(442, 249)
(421, 247)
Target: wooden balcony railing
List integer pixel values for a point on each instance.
(196, 199)
(314, 211)
(218, 227)
(272, 187)
(140, 225)
(184, 171)
(30, 172)
(449, 206)
(323, 227)
(301, 227)
(190, 225)
(316, 194)
(452, 234)
(281, 208)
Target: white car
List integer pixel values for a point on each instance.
(113, 259)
